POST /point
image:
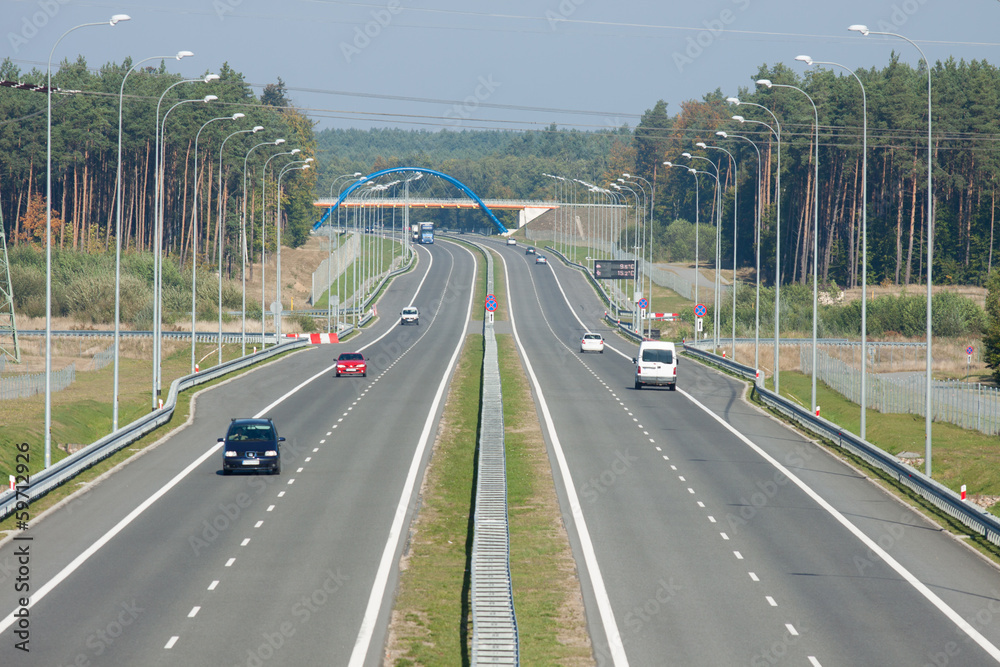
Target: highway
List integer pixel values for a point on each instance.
(705, 531)
(167, 562)
(696, 546)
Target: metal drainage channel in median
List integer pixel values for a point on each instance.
(494, 626)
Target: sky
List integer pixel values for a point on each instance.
(517, 64)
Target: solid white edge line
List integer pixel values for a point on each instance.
(367, 629)
(615, 646)
(931, 597)
(134, 514)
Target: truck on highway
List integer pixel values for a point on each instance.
(427, 232)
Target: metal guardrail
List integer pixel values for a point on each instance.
(46, 480)
(946, 500)
(494, 624)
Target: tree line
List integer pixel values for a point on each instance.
(85, 114)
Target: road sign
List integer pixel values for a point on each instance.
(643, 304)
(614, 268)
(491, 302)
(970, 350)
(700, 310)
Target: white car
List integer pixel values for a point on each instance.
(410, 315)
(511, 242)
(592, 342)
(540, 259)
(656, 364)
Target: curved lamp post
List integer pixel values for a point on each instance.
(718, 247)
(696, 214)
(263, 237)
(930, 237)
(718, 234)
(243, 243)
(756, 341)
(304, 164)
(769, 84)
(118, 233)
(194, 232)
(117, 18)
(220, 231)
(777, 230)
(864, 233)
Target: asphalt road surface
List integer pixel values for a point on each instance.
(295, 569)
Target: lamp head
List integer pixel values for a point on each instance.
(857, 27)
(701, 144)
(305, 166)
(211, 77)
(764, 82)
(278, 142)
(209, 98)
(310, 159)
(626, 175)
(358, 173)
(183, 54)
(621, 180)
(733, 100)
(692, 171)
(722, 134)
(687, 155)
(668, 163)
(117, 18)
(238, 115)
(257, 128)
(294, 151)
(804, 59)
(740, 119)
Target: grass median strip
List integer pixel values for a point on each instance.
(431, 623)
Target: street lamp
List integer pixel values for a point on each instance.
(243, 235)
(864, 235)
(277, 223)
(194, 231)
(221, 228)
(756, 342)
(263, 237)
(118, 233)
(777, 225)
(930, 237)
(158, 232)
(652, 195)
(768, 84)
(158, 295)
(718, 235)
(117, 18)
(696, 220)
(718, 247)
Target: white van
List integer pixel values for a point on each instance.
(656, 364)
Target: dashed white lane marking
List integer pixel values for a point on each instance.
(724, 536)
(258, 524)
(308, 459)
(673, 467)
(328, 434)
(334, 426)
(212, 585)
(814, 662)
(315, 449)
(245, 542)
(229, 563)
(340, 420)
(711, 519)
(300, 470)
(680, 477)
(194, 612)
(322, 442)
(738, 555)
(270, 508)
(173, 640)
(651, 440)
(770, 601)
(791, 630)
(291, 481)
(753, 576)
(281, 494)
(690, 490)
(701, 504)
(666, 458)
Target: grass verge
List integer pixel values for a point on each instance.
(431, 622)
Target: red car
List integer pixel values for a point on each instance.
(352, 363)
